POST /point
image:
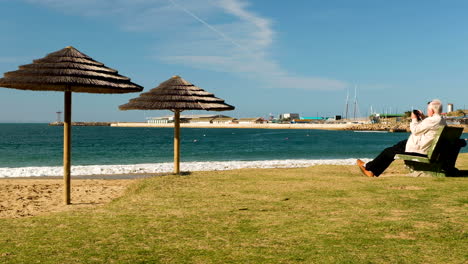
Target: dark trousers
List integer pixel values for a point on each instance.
(386, 157)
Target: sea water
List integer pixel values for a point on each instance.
(37, 149)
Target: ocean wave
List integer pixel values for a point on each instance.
(167, 167)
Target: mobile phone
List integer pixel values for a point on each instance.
(417, 114)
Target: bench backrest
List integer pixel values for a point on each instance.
(446, 137)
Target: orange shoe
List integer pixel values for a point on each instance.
(368, 173)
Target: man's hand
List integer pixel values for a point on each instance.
(420, 115)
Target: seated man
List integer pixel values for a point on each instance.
(423, 130)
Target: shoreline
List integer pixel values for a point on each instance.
(142, 170)
(41, 195)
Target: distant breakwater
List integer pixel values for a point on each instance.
(397, 127)
(82, 124)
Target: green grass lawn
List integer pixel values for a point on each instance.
(321, 214)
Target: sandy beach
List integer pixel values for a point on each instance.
(31, 197)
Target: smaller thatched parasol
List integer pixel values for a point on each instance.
(177, 95)
(70, 71)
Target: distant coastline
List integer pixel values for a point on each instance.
(399, 127)
(261, 126)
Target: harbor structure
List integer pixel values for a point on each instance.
(251, 120)
(185, 119)
(59, 116)
(317, 119)
(223, 120)
(449, 108)
(288, 116)
(201, 120)
(160, 120)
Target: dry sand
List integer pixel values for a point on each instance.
(30, 197)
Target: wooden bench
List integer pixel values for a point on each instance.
(442, 154)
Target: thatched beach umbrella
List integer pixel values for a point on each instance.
(177, 95)
(70, 71)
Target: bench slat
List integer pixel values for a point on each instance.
(412, 158)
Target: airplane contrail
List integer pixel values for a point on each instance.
(207, 25)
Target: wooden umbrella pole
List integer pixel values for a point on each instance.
(176, 141)
(67, 146)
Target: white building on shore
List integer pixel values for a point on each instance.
(200, 119)
(160, 120)
(253, 120)
(289, 116)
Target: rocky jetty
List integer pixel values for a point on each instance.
(396, 127)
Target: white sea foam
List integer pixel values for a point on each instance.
(167, 167)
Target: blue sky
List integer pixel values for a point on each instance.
(262, 56)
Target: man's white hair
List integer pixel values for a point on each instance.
(436, 106)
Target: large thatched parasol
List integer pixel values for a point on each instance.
(177, 95)
(70, 71)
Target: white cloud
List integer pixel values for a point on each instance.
(267, 72)
(262, 34)
(218, 35)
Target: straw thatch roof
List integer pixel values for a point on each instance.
(177, 94)
(68, 69)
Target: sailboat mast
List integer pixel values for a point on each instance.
(346, 105)
(355, 102)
